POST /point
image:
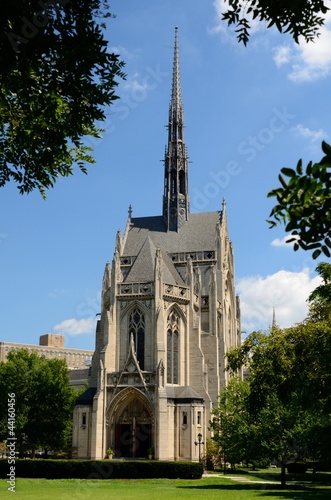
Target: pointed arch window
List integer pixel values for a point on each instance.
(173, 348)
(137, 328)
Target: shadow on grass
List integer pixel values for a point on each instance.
(265, 490)
(315, 479)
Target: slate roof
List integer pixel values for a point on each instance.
(196, 234)
(87, 397)
(146, 234)
(144, 265)
(183, 393)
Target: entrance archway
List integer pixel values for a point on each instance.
(132, 424)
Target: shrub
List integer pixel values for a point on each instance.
(297, 468)
(103, 469)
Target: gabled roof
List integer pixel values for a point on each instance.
(87, 397)
(144, 266)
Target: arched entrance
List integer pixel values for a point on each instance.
(132, 424)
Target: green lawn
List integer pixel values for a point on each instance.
(219, 488)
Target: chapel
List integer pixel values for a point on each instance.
(169, 313)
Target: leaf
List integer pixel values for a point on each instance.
(326, 148)
(316, 254)
(299, 167)
(282, 181)
(289, 172)
(325, 250)
(309, 168)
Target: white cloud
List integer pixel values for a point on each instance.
(285, 291)
(122, 52)
(308, 61)
(75, 326)
(282, 55)
(282, 242)
(313, 135)
(135, 83)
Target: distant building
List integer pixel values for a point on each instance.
(78, 378)
(52, 346)
(169, 314)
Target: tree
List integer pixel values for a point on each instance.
(290, 387)
(56, 78)
(320, 299)
(299, 18)
(304, 205)
(43, 401)
(235, 434)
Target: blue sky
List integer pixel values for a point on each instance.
(248, 112)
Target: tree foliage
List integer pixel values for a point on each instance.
(56, 77)
(299, 18)
(304, 204)
(44, 400)
(294, 364)
(320, 299)
(234, 432)
(288, 405)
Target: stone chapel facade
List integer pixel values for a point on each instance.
(169, 314)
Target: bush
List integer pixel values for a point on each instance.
(320, 466)
(212, 455)
(102, 469)
(297, 468)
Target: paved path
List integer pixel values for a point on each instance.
(243, 479)
(240, 479)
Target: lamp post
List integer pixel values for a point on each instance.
(199, 443)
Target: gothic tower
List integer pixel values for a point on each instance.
(176, 199)
(169, 313)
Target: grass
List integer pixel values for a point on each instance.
(158, 489)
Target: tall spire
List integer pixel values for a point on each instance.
(176, 198)
(176, 96)
(274, 324)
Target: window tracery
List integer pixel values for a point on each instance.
(173, 348)
(137, 328)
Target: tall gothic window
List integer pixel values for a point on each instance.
(137, 328)
(172, 348)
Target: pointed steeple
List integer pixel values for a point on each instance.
(274, 324)
(176, 199)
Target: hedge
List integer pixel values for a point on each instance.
(297, 468)
(102, 469)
